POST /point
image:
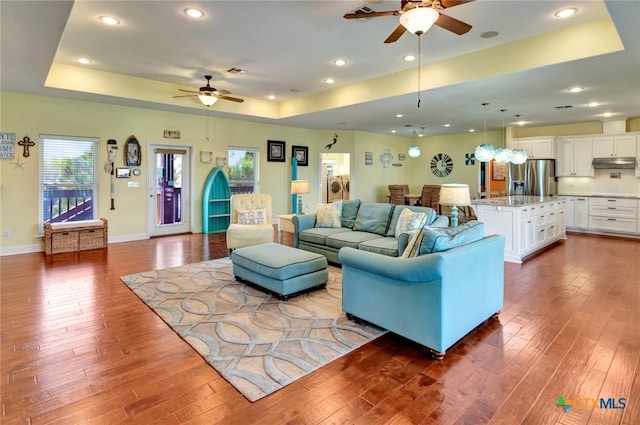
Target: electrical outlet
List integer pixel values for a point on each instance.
(6, 233)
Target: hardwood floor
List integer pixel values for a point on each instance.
(78, 347)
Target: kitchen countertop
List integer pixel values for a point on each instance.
(515, 201)
(603, 195)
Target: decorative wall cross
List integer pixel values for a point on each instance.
(26, 143)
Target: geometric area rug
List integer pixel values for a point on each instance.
(255, 341)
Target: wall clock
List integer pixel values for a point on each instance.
(441, 165)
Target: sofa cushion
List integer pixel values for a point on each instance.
(318, 235)
(373, 217)
(443, 239)
(430, 216)
(349, 212)
(352, 239)
(329, 215)
(386, 246)
(409, 221)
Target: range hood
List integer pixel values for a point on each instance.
(620, 163)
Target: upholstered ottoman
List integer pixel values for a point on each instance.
(279, 268)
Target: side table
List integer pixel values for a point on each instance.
(285, 224)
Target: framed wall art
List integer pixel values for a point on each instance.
(132, 153)
(301, 154)
(275, 151)
(499, 170)
(123, 173)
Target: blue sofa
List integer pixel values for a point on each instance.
(433, 299)
(368, 226)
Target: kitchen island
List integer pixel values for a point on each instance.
(528, 223)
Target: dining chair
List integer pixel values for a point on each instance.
(430, 196)
(397, 193)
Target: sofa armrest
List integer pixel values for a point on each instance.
(418, 269)
(440, 221)
(302, 222)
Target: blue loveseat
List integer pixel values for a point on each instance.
(433, 299)
(368, 226)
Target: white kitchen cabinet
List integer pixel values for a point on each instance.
(613, 215)
(574, 157)
(581, 213)
(614, 146)
(536, 147)
(569, 204)
(528, 224)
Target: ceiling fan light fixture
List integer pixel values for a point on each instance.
(419, 19)
(207, 99)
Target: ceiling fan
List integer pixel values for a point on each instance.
(417, 16)
(209, 95)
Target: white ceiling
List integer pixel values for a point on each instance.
(287, 49)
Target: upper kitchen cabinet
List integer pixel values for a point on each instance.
(614, 146)
(574, 156)
(536, 147)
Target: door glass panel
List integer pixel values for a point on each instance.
(169, 188)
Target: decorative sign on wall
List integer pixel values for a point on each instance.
(172, 133)
(7, 145)
(368, 158)
(499, 170)
(386, 157)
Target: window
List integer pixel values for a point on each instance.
(68, 186)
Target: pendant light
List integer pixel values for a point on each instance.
(504, 155)
(485, 152)
(518, 156)
(414, 150)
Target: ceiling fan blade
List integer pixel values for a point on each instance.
(452, 24)
(185, 95)
(222, 92)
(188, 91)
(233, 99)
(451, 3)
(396, 34)
(370, 14)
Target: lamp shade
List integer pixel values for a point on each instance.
(455, 194)
(419, 19)
(207, 99)
(485, 152)
(298, 187)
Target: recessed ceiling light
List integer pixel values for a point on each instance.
(410, 58)
(565, 13)
(109, 20)
(393, 131)
(521, 122)
(399, 115)
(84, 61)
(420, 135)
(472, 130)
(593, 104)
(339, 62)
(271, 97)
(194, 13)
(607, 114)
(575, 89)
(329, 80)
(447, 125)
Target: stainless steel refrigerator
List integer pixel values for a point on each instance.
(536, 177)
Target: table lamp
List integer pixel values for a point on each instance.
(454, 195)
(299, 187)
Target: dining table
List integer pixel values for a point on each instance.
(409, 198)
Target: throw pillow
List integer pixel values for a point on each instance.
(349, 212)
(373, 217)
(409, 220)
(445, 238)
(258, 216)
(329, 215)
(413, 245)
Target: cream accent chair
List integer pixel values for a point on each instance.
(241, 235)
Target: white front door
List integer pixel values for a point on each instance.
(169, 189)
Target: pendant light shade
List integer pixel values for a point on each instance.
(519, 156)
(414, 151)
(485, 152)
(503, 155)
(419, 19)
